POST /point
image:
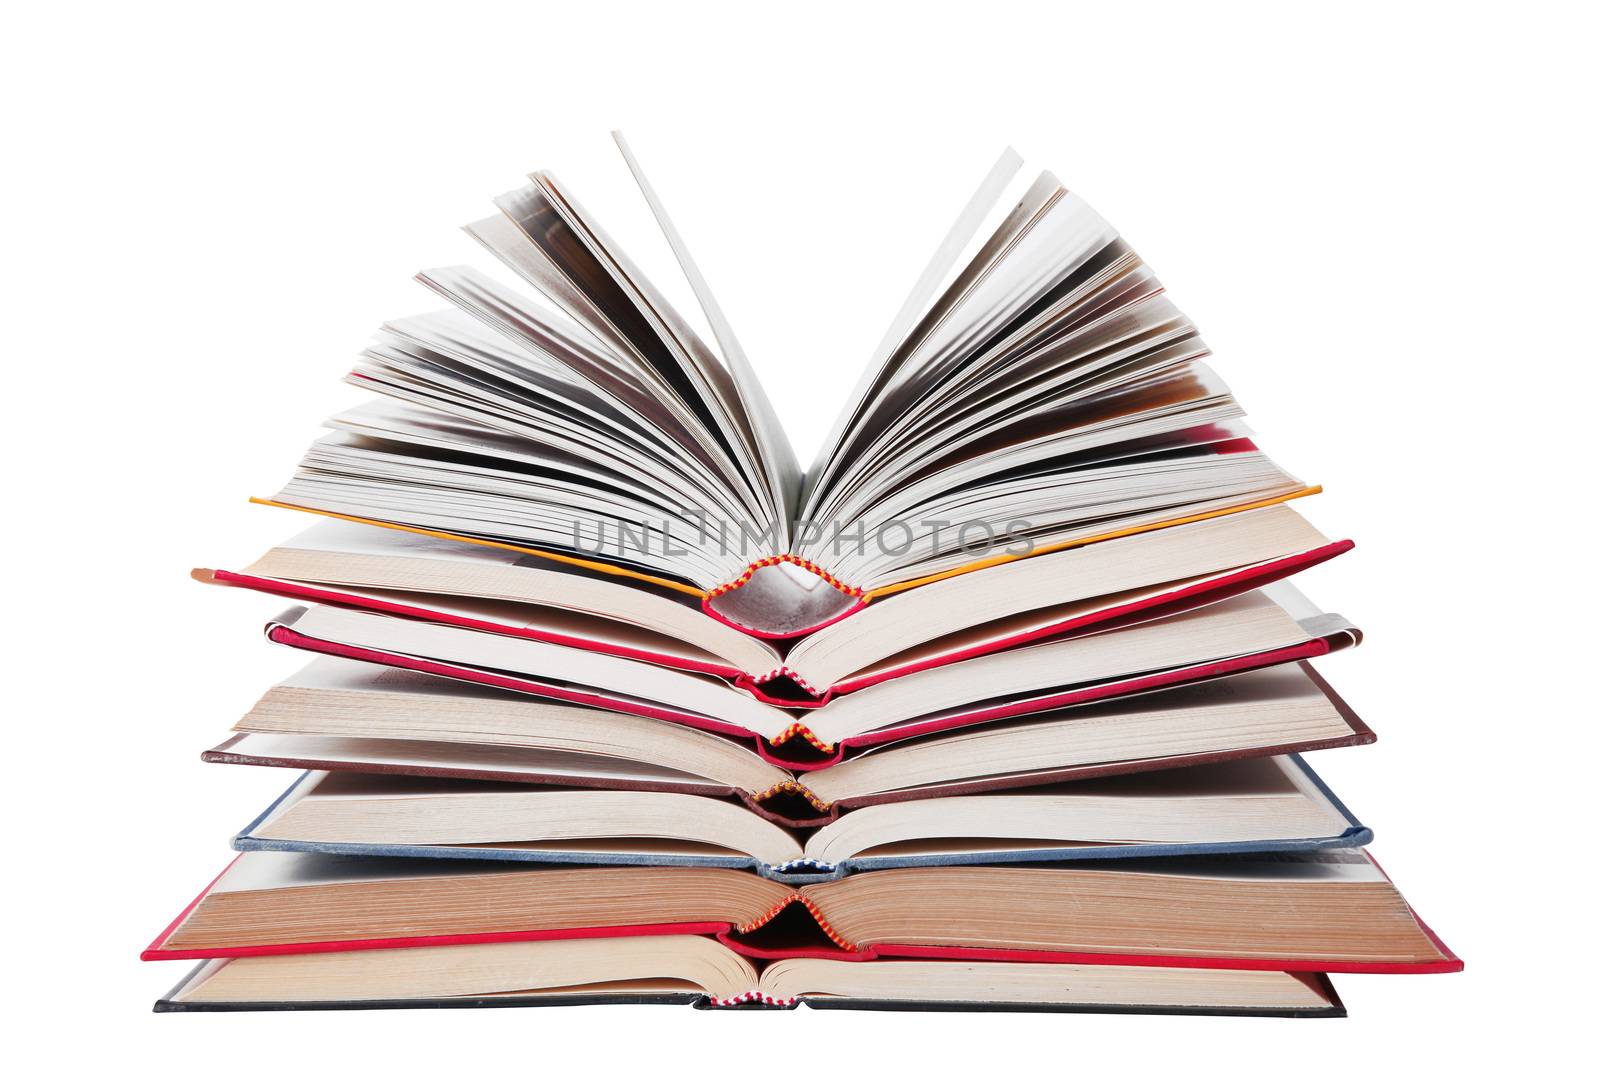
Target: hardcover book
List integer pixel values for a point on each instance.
(1242, 633)
(340, 715)
(1326, 911)
(679, 969)
(1264, 805)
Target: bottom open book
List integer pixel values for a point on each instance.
(703, 972)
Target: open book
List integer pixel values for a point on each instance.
(1265, 805)
(684, 969)
(1035, 392)
(1333, 910)
(343, 715)
(966, 617)
(1256, 629)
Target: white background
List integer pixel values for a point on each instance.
(1382, 217)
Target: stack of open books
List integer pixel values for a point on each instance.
(601, 699)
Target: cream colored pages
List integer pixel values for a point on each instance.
(336, 552)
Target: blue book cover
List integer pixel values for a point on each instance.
(681, 830)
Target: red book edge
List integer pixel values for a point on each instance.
(1316, 646)
(1173, 601)
(155, 952)
(322, 595)
(726, 932)
(1158, 606)
(723, 933)
(283, 633)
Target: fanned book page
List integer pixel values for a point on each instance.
(1036, 392)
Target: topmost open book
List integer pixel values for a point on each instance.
(1035, 392)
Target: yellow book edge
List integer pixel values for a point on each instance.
(1127, 531)
(868, 595)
